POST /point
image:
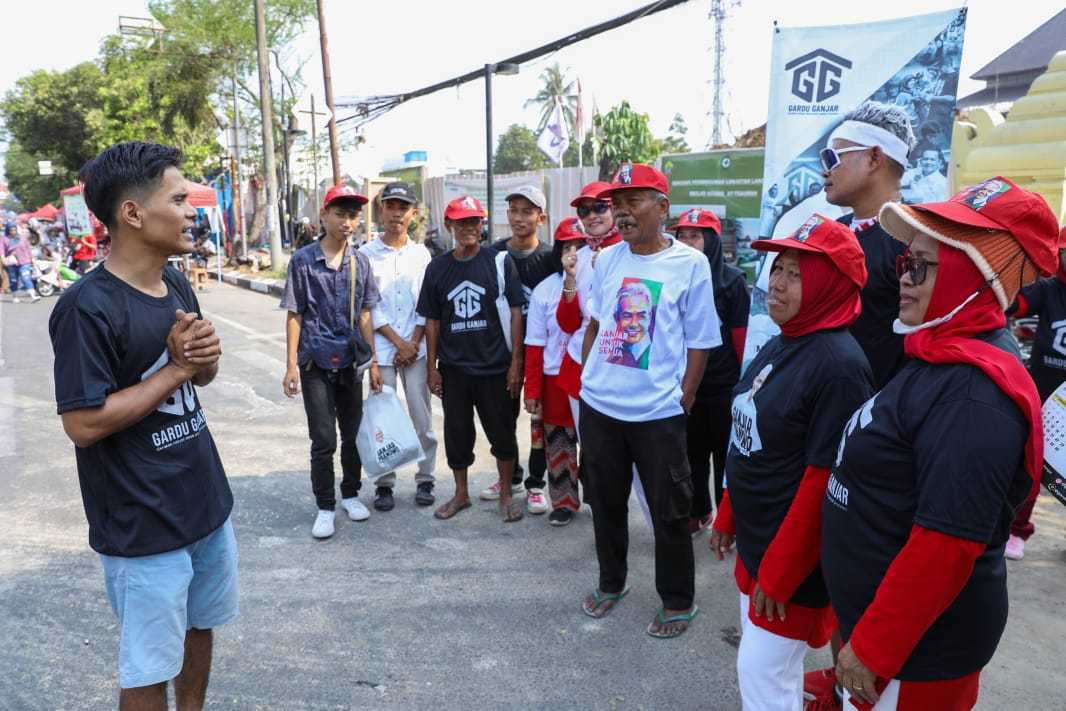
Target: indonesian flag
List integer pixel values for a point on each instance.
(555, 138)
(579, 117)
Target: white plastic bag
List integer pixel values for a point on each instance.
(386, 439)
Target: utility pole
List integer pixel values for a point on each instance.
(267, 110)
(235, 167)
(327, 78)
(489, 69)
(314, 145)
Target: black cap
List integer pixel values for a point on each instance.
(398, 191)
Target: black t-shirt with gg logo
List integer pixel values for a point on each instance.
(940, 446)
(1046, 298)
(159, 484)
(461, 295)
(789, 409)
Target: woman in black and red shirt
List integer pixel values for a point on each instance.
(932, 468)
(788, 410)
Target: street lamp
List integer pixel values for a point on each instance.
(504, 69)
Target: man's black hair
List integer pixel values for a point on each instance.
(121, 168)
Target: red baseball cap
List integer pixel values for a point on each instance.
(826, 236)
(592, 192)
(343, 192)
(636, 175)
(463, 207)
(999, 204)
(570, 229)
(704, 219)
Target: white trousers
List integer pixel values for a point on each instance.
(769, 667)
(416, 393)
(575, 411)
(887, 702)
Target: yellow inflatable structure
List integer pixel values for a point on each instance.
(1028, 146)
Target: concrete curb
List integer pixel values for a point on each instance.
(263, 286)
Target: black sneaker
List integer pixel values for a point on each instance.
(424, 496)
(560, 517)
(383, 500)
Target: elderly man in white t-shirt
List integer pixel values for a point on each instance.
(399, 263)
(651, 324)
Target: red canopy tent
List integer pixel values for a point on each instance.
(48, 212)
(202, 195)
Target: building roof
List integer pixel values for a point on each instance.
(1034, 51)
(994, 94)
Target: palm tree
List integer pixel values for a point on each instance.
(555, 88)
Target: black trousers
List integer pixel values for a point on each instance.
(463, 393)
(538, 464)
(611, 447)
(332, 398)
(708, 436)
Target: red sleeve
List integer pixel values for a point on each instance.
(793, 553)
(534, 372)
(568, 314)
(739, 336)
(1020, 307)
(926, 576)
(723, 522)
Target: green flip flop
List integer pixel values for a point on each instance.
(601, 597)
(685, 617)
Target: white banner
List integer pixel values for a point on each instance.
(818, 74)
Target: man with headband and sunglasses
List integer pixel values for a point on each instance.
(930, 471)
(863, 162)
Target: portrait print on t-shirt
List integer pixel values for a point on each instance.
(466, 304)
(629, 342)
(744, 434)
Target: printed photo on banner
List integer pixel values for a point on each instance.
(629, 342)
(818, 75)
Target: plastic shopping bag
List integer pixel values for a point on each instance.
(386, 439)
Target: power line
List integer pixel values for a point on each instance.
(371, 107)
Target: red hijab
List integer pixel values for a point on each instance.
(829, 300)
(1059, 272)
(954, 342)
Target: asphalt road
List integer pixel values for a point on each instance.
(402, 611)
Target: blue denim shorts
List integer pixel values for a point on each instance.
(157, 598)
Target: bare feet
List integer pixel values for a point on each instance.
(511, 510)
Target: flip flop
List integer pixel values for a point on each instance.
(448, 510)
(686, 617)
(514, 511)
(601, 597)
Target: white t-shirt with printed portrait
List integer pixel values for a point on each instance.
(651, 310)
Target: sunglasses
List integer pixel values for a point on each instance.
(599, 207)
(915, 267)
(831, 156)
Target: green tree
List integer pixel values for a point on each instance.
(623, 136)
(675, 140)
(31, 189)
(587, 153)
(556, 88)
(517, 150)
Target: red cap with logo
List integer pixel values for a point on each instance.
(999, 204)
(463, 207)
(703, 219)
(569, 229)
(592, 192)
(343, 192)
(636, 175)
(825, 236)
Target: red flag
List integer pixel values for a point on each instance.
(579, 117)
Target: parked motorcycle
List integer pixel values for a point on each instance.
(51, 276)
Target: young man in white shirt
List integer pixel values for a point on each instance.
(651, 324)
(399, 263)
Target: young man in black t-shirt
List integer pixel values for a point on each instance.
(472, 301)
(863, 163)
(535, 262)
(129, 349)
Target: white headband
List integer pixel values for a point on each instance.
(866, 134)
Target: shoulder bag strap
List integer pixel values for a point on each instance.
(351, 291)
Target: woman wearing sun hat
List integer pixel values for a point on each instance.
(789, 409)
(931, 469)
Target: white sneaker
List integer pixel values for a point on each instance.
(323, 527)
(17, 300)
(537, 502)
(356, 510)
(34, 296)
(492, 493)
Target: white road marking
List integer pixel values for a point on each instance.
(251, 356)
(232, 324)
